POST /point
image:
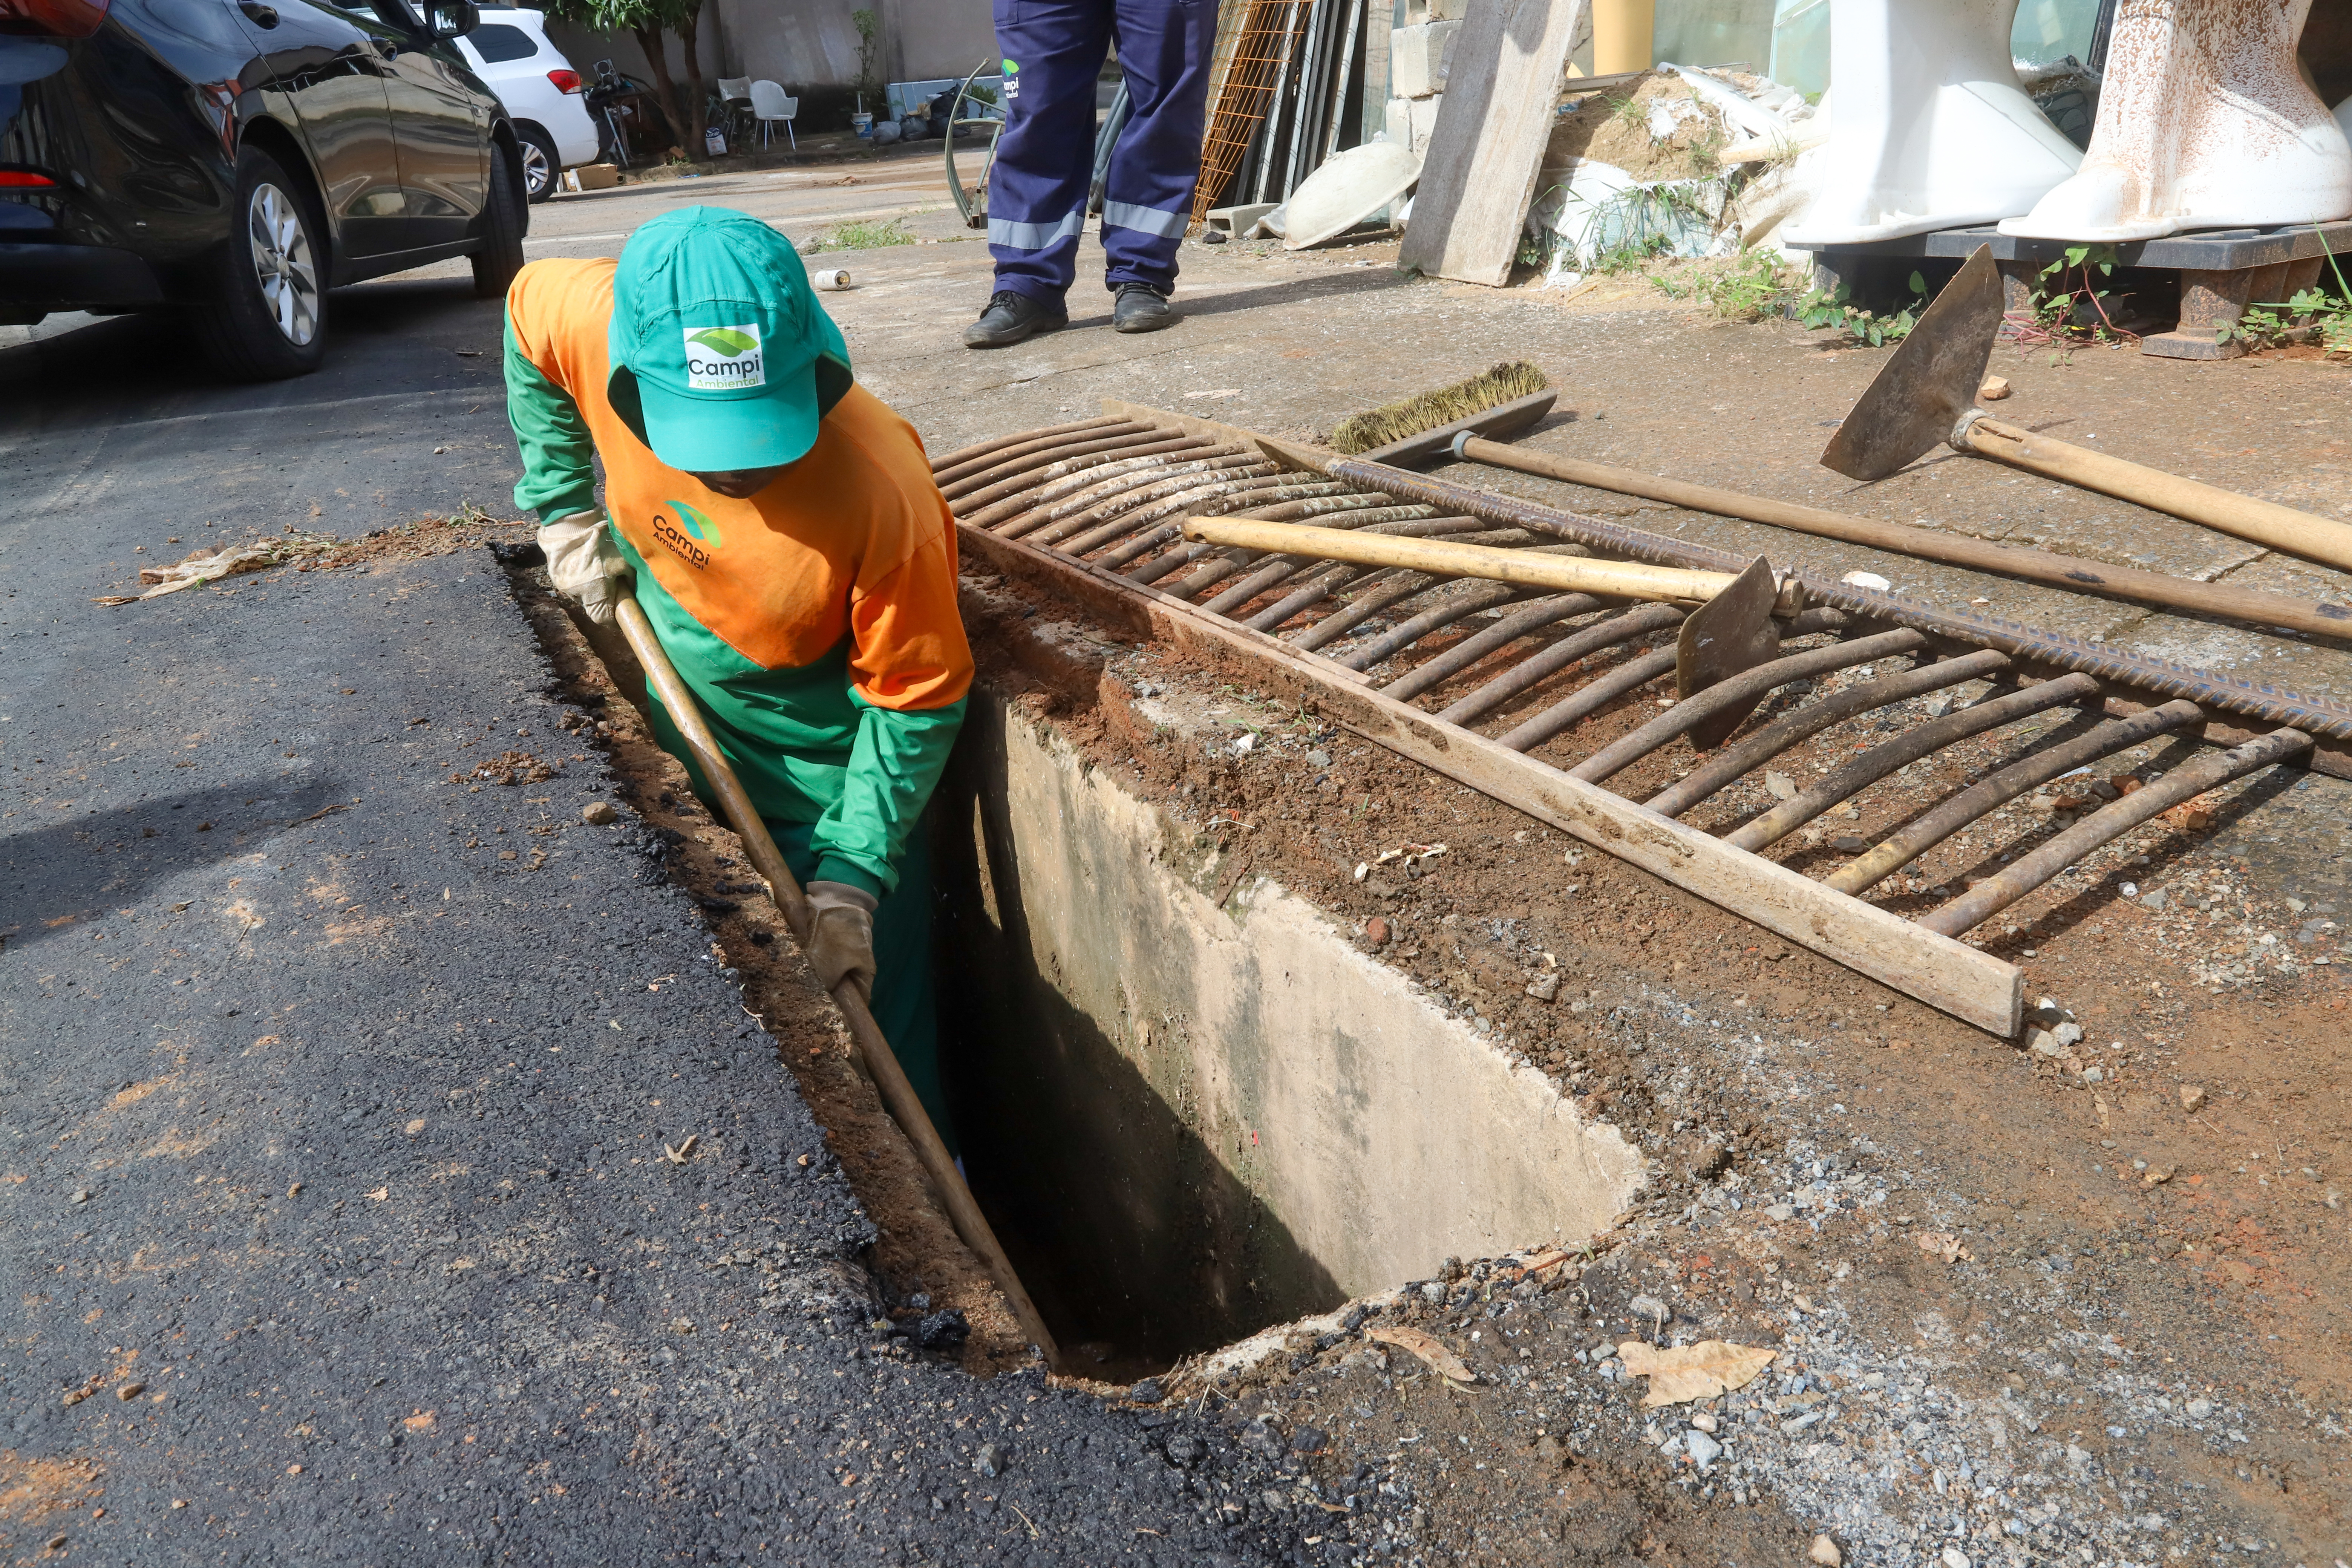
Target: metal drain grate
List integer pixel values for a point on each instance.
(1094, 507)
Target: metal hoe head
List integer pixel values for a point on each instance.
(1730, 634)
(1930, 381)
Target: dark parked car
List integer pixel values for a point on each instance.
(238, 160)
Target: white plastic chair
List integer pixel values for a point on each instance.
(770, 103)
(1930, 126)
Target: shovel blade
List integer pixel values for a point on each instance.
(1930, 380)
(1730, 634)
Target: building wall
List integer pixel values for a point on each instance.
(810, 43)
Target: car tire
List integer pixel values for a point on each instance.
(267, 317)
(542, 166)
(498, 256)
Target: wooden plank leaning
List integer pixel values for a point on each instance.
(1948, 975)
(1501, 93)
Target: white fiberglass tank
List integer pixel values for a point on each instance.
(1930, 126)
(2204, 122)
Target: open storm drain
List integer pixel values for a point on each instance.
(1189, 1106)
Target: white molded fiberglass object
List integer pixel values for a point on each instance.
(2204, 122)
(1929, 127)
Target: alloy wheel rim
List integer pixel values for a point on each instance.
(536, 170)
(282, 264)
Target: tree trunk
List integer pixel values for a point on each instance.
(698, 101)
(656, 51)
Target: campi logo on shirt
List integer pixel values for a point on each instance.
(724, 359)
(691, 537)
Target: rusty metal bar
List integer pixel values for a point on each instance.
(965, 460)
(1541, 667)
(1007, 466)
(1127, 517)
(1280, 569)
(1879, 760)
(1072, 501)
(1590, 697)
(2034, 769)
(1502, 634)
(1314, 592)
(1803, 723)
(1692, 711)
(2111, 822)
(1438, 617)
(1055, 465)
(1338, 624)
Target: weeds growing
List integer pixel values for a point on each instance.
(867, 234)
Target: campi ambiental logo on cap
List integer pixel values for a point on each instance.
(724, 359)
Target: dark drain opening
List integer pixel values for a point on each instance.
(1136, 1239)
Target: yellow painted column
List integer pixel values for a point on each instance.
(1622, 31)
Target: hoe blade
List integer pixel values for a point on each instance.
(1731, 633)
(1930, 382)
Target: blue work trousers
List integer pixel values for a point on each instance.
(1053, 51)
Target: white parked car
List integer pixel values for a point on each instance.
(542, 92)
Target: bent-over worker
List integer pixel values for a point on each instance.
(789, 547)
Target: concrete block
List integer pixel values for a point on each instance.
(1418, 57)
(1410, 121)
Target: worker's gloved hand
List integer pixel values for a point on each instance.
(841, 935)
(584, 563)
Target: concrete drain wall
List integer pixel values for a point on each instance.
(1191, 1121)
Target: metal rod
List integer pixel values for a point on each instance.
(1049, 519)
(1502, 634)
(1867, 769)
(1127, 515)
(1335, 626)
(955, 465)
(881, 1063)
(1314, 592)
(1438, 617)
(1071, 461)
(1037, 454)
(2037, 768)
(2111, 822)
(1541, 667)
(1811, 719)
(1692, 711)
(1589, 698)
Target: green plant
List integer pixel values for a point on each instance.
(2068, 306)
(1751, 289)
(2327, 318)
(1837, 310)
(867, 234)
(869, 43)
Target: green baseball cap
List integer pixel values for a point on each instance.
(721, 356)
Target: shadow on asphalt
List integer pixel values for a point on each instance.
(53, 877)
(1362, 280)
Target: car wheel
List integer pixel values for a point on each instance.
(267, 319)
(542, 166)
(498, 256)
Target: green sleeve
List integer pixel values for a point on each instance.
(558, 469)
(894, 765)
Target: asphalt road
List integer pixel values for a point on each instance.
(334, 1215)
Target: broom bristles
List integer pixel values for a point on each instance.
(1413, 416)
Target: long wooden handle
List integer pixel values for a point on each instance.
(1568, 573)
(881, 1062)
(2243, 517)
(2068, 571)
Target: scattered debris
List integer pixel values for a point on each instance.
(679, 1155)
(222, 561)
(1427, 1347)
(1685, 1372)
(1943, 1245)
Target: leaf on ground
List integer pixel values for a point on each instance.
(1427, 1347)
(1944, 1246)
(1693, 1372)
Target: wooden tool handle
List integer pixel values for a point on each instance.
(2070, 573)
(1621, 579)
(2243, 517)
(881, 1063)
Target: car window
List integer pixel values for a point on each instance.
(495, 41)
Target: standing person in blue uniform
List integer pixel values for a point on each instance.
(1053, 51)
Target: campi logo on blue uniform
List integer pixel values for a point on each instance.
(724, 359)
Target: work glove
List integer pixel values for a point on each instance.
(584, 563)
(841, 935)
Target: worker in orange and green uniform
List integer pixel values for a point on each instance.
(784, 537)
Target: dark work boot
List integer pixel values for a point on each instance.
(1011, 318)
(1141, 308)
